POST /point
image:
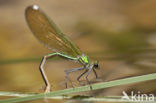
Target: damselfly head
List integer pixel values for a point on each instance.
(96, 65)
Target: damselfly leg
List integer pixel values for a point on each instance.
(41, 67)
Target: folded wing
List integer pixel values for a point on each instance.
(48, 33)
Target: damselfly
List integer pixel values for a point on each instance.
(46, 31)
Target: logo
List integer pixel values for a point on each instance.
(138, 97)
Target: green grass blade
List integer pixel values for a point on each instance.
(84, 88)
(84, 98)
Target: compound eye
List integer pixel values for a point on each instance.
(96, 65)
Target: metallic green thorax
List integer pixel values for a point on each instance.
(84, 60)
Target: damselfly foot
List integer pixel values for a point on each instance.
(46, 89)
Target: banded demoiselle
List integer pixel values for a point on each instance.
(46, 31)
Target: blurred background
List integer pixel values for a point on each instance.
(120, 34)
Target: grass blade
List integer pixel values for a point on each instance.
(83, 88)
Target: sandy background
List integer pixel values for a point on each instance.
(120, 34)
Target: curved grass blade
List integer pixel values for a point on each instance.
(96, 86)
